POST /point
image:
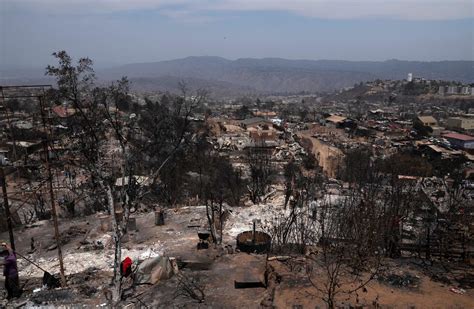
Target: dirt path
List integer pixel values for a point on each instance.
(293, 290)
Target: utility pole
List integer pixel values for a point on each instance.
(51, 193)
(54, 213)
(7, 208)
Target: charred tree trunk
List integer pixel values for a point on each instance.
(210, 220)
(116, 280)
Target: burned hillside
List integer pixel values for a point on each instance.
(113, 198)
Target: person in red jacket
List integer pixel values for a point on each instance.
(10, 271)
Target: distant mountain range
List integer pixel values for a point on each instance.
(225, 77)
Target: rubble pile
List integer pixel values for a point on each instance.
(401, 280)
(78, 262)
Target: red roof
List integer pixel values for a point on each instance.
(462, 137)
(61, 111)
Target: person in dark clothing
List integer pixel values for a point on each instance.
(10, 271)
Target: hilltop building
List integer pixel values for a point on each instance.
(427, 121)
(255, 122)
(461, 123)
(460, 141)
(335, 121)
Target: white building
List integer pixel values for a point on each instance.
(452, 90)
(466, 90)
(441, 90)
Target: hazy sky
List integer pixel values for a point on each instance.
(125, 31)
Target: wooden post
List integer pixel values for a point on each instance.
(119, 215)
(55, 217)
(159, 217)
(132, 224)
(105, 224)
(8, 216)
(254, 236)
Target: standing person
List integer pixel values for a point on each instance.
(10, 271)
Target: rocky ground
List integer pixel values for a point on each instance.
(227, 279)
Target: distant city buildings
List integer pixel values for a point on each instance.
(466, 90)
(465, 122)
(456, 90)
(427, 121)
(452, 90)
(460, 141)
